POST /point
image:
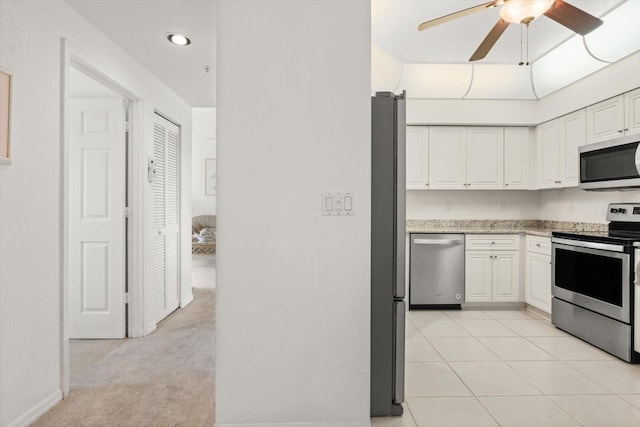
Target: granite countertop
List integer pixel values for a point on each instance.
(534, 227)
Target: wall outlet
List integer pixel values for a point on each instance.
(503, 206)
(571, 206)
(448, 206)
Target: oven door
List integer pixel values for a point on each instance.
(592, 275)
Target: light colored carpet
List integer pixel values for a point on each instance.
(164, 379)
(203, 269)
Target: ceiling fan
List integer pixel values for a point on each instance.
(522, 12)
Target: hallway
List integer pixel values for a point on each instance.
(164, 379)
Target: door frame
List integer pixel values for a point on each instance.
(74, 56)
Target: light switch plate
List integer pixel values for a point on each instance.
(337, 204)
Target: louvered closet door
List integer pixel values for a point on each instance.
(166, 218)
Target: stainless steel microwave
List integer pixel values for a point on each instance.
(611, 165)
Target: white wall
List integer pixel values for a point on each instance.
(293, 297)
(573, 204)
(568, 204)
(471, 112)
(610, 81)
(31, 208)
(442, 204)
(203, 147)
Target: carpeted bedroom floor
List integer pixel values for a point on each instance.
(163, 379)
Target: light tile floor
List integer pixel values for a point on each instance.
(509, 368)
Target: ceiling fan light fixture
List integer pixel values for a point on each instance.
(178, 39)
(524, 11)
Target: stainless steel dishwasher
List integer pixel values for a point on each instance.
(436, 270)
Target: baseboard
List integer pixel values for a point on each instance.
(494, 305)
(37, 411)
(187, 300)
(539, 312)
(151, 326)
(309, 424)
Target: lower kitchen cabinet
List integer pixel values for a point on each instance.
(492, 275)
(538, 273)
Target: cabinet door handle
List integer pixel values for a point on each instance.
(619, 130)
(626, 129)
(506, 184)
(538, 244)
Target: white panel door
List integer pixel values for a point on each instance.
(485, 158)
(548, 154)
(538, 281)
(417, 157)
(516, 158)
(166, 218)
(632, 112)
(447, 157)
(506, 276)
(97, 197)
(605, 120)
(574, 135)
(478, 276)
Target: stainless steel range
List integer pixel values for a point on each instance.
(593, 276)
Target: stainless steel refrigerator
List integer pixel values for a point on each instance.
(387, 253)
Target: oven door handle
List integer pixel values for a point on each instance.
(588, 244)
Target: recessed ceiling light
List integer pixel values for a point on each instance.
(179, 39)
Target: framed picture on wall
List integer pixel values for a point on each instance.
(210, 177)
(5, 117)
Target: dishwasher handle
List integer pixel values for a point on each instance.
(437, 242)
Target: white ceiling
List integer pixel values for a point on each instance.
(428, 64)
(395, 30)
(434, 63)
(140, 28)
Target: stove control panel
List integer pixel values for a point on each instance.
(626, 212)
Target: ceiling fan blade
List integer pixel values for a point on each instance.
(458, 14)
(490, 40)
(573, 18)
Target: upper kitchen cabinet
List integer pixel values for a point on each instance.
(485, 158)
(417, 157)
(516, 158)
(557, 153)
(614, 117)
(447, 157)
(632, 112)
(466, 158)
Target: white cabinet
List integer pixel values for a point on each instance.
(617, 116)
(478, 272)
(466, 157)
(557, 154)
(573, 131)
(485, 158)
(417, 171)
(632, 112)
(492, 268)
(517, 158)
(538, 273)
(548, 154)
(447, 157)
